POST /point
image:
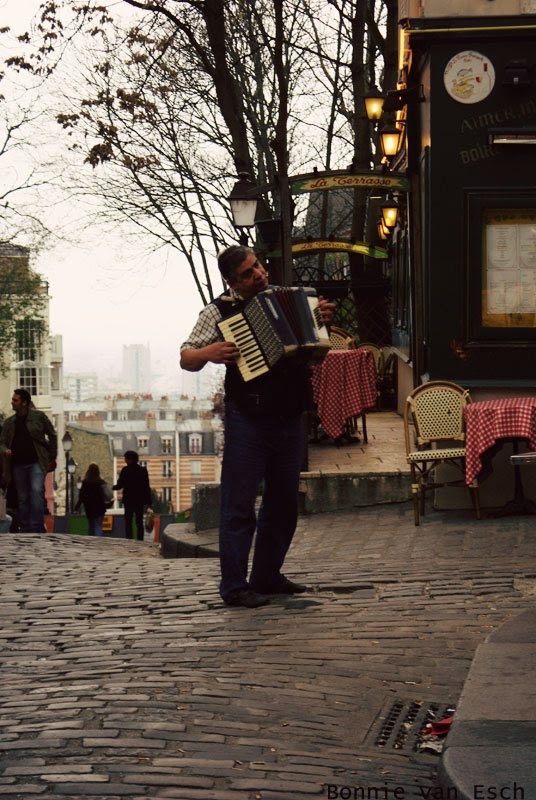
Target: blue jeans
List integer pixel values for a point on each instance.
(30, 485)
(95, 526)
(257, 449)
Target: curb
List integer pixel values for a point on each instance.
(183, 541)
(490, 750)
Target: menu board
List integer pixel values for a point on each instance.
(509, 277)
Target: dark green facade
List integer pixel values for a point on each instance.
(472, 209)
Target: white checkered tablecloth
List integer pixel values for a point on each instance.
(344, 385)
(489, 420)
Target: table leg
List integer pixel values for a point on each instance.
(519, 503)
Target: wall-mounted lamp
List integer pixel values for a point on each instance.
(377, 103)
(516, 73)
(391, 138)
(383, 230)
(374, 101)
(390, 210)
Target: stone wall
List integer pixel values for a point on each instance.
(319, 493)
(91, 446)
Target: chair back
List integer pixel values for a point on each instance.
(376, 351)
(341, 339)
(436, 409)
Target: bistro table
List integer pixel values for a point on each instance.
(344, 387)
(488, 421)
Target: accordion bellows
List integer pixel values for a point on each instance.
(275, 324)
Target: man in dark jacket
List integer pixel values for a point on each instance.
(134, 481)
(29, 445)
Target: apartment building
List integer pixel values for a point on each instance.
(178, 439)
(35, 361)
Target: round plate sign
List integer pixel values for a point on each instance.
(469, 77)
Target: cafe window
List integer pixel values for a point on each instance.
(501, 267)
(509, 268)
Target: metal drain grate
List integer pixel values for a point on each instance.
(403, 725)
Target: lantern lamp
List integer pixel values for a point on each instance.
(373, 101)
(391, 138)
(243, 202)
(390, 210)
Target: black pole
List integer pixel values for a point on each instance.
(66, 484)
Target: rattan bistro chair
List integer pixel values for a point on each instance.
(435, 434)
(341, 339)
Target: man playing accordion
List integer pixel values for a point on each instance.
(263, 441)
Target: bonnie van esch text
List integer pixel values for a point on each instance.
(481, 791)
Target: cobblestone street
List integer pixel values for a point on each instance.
(123, 675)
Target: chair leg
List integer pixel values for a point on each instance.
(415, 493)
(416, 502)
(422, 496)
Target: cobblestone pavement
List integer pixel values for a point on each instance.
(123, 675)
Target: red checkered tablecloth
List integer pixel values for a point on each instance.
(344, 385)
(489, 420)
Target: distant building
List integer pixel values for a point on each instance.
(36, 362)
(178, 439)
(80, 385)
(137, 367)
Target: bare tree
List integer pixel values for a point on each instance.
(22, 292)
(180, 100)
(22, 176)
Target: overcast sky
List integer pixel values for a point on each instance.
(103, 296)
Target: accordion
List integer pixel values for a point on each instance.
(275, 324)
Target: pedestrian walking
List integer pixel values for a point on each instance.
(29, 446)
(134, 483)
(95, 495)
(264, 440)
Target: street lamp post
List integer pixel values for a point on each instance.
(243, 200)
(67, 444)
(71, 469)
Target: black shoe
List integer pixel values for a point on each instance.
(285, 586)
(247, 598)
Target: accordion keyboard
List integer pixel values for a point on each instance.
(251, 362)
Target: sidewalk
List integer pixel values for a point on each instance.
(123, 675)
(385, 452)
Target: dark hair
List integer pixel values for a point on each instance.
(132, 456)
(92, 473)
(24, 395)
(231, 258)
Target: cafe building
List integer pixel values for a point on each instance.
(463, 256)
